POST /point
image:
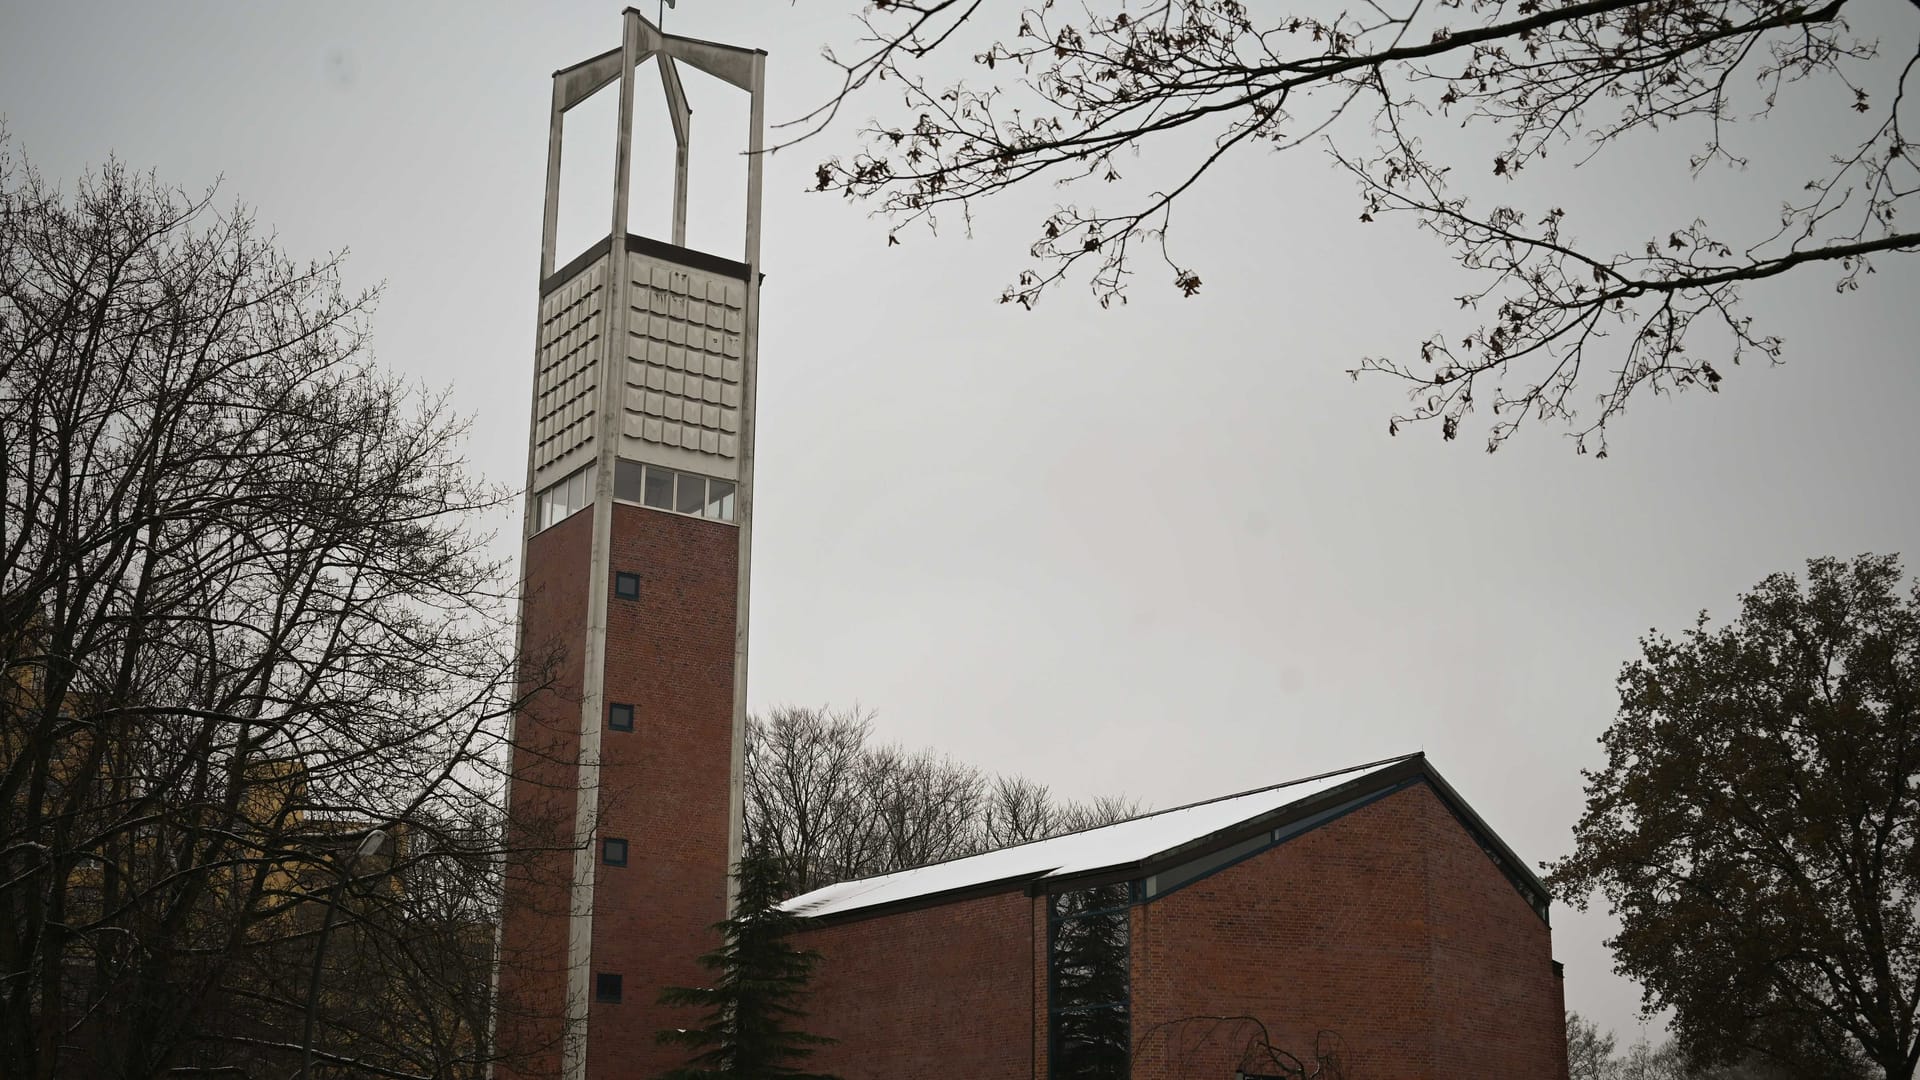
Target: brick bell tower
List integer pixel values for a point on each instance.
(625, 794)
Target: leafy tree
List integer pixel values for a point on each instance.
(1081, 96)
(1756, 826)
(749, 1030)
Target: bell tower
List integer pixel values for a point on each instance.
(625, 797)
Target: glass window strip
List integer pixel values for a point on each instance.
(654, 486)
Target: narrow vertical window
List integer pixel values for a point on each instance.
(691, 494)
(1089, 998)
(659, 488)
(626, 480)
(720, 499)
(577, 493)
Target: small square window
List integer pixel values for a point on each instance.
(620, 717)
(606, 987)
(626, 586)
(613, 851)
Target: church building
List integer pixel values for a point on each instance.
(1365, 920)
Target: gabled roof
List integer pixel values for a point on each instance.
(1181, 833)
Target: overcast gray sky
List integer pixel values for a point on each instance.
(1166, 549)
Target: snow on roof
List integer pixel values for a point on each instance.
(1119, 844)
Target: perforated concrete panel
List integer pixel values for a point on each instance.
(571, 322)
(684, 367)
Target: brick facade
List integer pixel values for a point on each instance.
(954, 984)
(664, 785)
(533, 935)
(1387, 927)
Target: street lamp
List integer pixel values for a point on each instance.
(370, 845)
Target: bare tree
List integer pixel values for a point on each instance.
(1589, 1050)
(1077, 95)
(806, 807)
(926, 808)
(1095, 812)
(1018, 811)
(1590, 1056)
(1238, 1046)
(828, 805)
(248, 630)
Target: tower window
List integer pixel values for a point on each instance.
(606, 987)
(719, 500)
(620, 717)
(613, 851)
(562, 499)
(659, 489)
(626, 586)
(670, 489)
(692, 494)
(626, 480)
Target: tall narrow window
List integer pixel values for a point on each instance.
(720, 499)
(659, 488)
(626, 479)
(1089, 1000)
(577, 494)
(692, 494)
(543, 507)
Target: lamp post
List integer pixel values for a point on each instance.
(369, 845)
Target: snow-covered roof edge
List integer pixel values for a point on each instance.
(1178, 832)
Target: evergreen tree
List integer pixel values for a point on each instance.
(749, 1030)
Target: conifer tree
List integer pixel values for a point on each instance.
(752, 1010)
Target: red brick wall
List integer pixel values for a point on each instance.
(533, 980)
(664, 785)
(1500, 1009)
(1328, 931)
(944, 991)
(1388, 927)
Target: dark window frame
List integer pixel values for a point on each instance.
(611, 844)
(619, 716)
(607, 987)
(1118, 901)
(626, 586)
